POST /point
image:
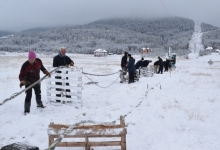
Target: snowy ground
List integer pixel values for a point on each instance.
(179, 111)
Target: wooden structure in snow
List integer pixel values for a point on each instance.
(87, 135)
(100, 53)
(65, 86)
(147, 71)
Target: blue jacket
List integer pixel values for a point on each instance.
(131, 66)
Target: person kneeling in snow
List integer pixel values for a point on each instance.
(29, 74)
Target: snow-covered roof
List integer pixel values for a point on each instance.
(145, 48)
(100, 50)
(209, 48)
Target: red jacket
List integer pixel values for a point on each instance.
(31, 72)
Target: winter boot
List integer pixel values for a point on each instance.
(40, 105)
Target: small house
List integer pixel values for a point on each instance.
(145, 50)
(100, 53)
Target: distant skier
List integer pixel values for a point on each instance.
(62, 60)
(29, 74)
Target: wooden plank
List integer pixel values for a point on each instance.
(59, 126)
(72, 144)
(74, 93)
(69, 75)
(74, 80)
(122, 121)
(123, 142)
(79, 88)
(51, 140)
(90, 136)
(105, 143)
(54, 98)
(93, 144)
(87, 143)
(68, 69)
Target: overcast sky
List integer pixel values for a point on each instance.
(17, 15)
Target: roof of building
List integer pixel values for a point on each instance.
(100, 50)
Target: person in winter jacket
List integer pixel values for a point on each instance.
(62, 60)
(167, 65)
(29, 74)
(131, 68)
(160, 63)
(124, 61)
(139, 64)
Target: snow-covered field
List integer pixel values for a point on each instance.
(178, 111)
(182, 114)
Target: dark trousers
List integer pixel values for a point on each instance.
(131, 76)
(166, 68)
(160, 69)
(28, 97)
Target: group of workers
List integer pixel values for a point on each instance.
(128, 64)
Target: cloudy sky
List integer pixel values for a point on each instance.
(17, 15)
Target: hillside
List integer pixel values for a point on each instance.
(114, 35)
(211, 37)
(5, 33)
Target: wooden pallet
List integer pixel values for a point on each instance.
(90, 133)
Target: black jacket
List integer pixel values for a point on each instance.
(124, 61)
(139, 64)
(60, 60)
(160, 62)
(145, 63)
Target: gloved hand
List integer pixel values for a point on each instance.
(22, 83)
(47, 73)
(72, 64)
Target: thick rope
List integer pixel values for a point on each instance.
(99, 85)
(18, 93)
(99, 74)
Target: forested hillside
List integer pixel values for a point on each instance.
(114, 35)
(4, 33)
(211, 36)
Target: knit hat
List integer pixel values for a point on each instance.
(31, 55)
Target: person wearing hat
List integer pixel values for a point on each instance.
(29, 74)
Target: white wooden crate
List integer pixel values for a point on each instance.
(147, 72)
(69, 89)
